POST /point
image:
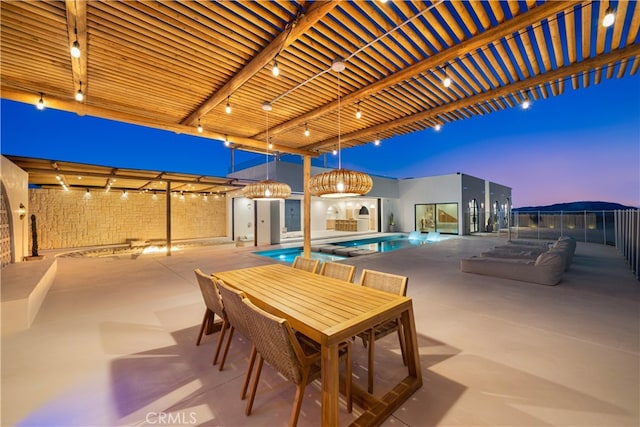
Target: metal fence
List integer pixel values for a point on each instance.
(619, 228)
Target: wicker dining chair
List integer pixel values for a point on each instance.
(214, 307)
(338, 271)
(234, 307)
(292, 354)
(394, 284)
(306, 264)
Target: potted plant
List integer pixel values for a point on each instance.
(392, 223)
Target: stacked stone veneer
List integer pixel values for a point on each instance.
(70, 219)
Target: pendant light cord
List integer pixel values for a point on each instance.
(339, 154)
(267, 153)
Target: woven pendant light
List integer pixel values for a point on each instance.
(267, 189)
(340, 182)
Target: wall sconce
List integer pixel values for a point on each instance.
(22, 211)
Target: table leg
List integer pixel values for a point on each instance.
(330, 384)
(411, 342)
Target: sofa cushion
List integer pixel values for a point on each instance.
(550, 258)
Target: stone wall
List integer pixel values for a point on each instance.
(70, 219)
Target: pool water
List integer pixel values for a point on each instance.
(378, 244)
(288, 255)
(383, 244)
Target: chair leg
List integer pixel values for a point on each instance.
(370, 371)
(247, 375)
(297, 402)
(226, 348)
(223, 331)
(205, 321)
(255, 385)
(210, 323)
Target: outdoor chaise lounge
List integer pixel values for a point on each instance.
(565, 245)
(547, 269)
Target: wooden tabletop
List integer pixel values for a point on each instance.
(323, 308)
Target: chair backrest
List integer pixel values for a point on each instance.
(306, 264)
(234, 307)
(210, 293)
(387, 282)
(275, 341)
(338, 271)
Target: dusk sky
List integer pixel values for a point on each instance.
(582, 145)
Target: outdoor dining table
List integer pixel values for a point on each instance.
(331, 311)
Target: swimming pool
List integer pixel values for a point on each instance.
(288, 255)
(345, 249)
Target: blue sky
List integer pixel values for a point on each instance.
(582, 145)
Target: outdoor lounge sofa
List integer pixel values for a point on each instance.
(547, 268)
(565, 245)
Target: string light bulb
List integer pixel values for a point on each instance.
(609, 17)
(79, 94)
(199, 126)
(226, 141)
(75, 46)
(438, 127)
(358, 111)
(275, 70)
(306, 130)
(447, 80)
(40, 104)
(526, 103)
(227, 108)
(376, 141)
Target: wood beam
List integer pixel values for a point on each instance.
(316, 11)
(559, 74)
(77, 30)
(82, 109)
(306, 201)
(504, 30)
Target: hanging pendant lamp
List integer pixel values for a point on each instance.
(267, 189)
(340, 182)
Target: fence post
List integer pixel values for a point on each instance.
(604, 227)
(637, 239)
(615, 228)
(629, 229)
(538, 227)
(585, 226)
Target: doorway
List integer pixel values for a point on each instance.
(292, 215)
(474, 218)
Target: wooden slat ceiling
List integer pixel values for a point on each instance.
(56, 174)
(171, 64)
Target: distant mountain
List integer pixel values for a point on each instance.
(575, 206)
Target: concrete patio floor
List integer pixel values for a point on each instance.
(114, 345)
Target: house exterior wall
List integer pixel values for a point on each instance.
(499, 203)
(70, 219)
(15, 182)
(472, 188)
(434, 189)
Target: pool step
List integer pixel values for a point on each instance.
(359, 252)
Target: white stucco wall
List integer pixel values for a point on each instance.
(15, 182)
(433, 189)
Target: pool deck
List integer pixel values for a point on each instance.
(114, 345)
